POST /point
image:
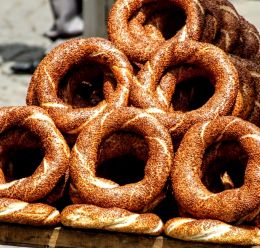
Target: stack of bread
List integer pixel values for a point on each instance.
(153, 131)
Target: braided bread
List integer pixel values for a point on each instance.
(111, 219)
(36, 214)
(213, 231)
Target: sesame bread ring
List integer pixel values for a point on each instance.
(229, 24)
(122, 157)
(248, 44)
(119, 145)
(192, 195)
(245, 102)
(253, 69)
(221, 25)
(35, 214)
(20, 147)
(103, 192)
(187, 88)
(205, 56)
(111, 219)
(211, 231)
(44, 86)
(56, 153)
(137, 49)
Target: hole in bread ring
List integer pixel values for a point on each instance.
(157, 22)
(44, 86)
(106, 193)
(56, 153)
(224, 166)
(122, 158)
(189, 88)
(193, 88)
(192, 195)
(20, 153)
(83, 86)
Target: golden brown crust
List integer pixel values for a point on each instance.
(211, 231)
(36, 214)
(111, 219)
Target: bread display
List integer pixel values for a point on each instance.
(155, 131)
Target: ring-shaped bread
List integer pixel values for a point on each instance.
(208, 58)
(195, 92)
(106, 193)
(56, 154)
(43, 89)
(192, 195)
(137, 49)
(228, 31)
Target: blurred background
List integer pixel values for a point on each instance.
(23, 23)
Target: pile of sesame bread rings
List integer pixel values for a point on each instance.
(152, 131)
